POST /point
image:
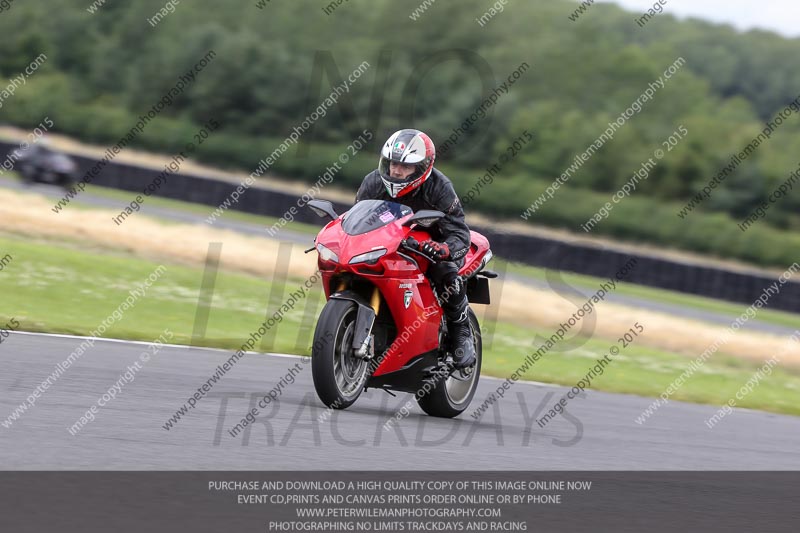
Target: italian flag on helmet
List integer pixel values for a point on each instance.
(410, 147)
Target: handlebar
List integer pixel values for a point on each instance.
(410, 243)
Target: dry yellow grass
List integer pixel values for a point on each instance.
(30, 214)
(188, 244)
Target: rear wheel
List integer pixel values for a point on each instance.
(450, 396)
(339, 376)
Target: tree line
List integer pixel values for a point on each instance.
(274, 66)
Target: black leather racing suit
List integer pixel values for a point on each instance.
(437, 193)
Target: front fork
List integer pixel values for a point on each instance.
(363, 339)
(365, 349)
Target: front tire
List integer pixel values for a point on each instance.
(339, 377)
(28, 174)
(450, 397)
(65, 180)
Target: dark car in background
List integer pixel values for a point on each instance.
(41, 164)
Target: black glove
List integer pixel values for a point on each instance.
(437, 250)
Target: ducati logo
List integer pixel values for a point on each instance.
(407, 298)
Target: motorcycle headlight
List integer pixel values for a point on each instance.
(326, 254)
(369, 257)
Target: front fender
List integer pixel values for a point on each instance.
(365, 318)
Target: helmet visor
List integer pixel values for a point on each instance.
(385, 168)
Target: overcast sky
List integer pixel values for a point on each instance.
(781, 16)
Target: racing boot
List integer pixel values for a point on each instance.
(461, 342)
(453, 297)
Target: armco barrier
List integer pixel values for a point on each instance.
(710, 281)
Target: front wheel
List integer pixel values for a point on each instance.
(65, 180)
(339, 376)
(28, 174)
(450, 396)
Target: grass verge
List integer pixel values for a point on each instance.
(61, 288)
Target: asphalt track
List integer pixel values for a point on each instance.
(599, 432)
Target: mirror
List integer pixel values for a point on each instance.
(323, 208)
(425, 218)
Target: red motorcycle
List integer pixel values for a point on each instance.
(383, 326)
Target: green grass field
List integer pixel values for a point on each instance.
(63, 288)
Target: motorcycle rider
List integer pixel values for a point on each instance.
(406, 175)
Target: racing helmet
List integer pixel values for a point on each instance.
(411, 147)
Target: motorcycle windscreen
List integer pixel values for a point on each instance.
(369, 215)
